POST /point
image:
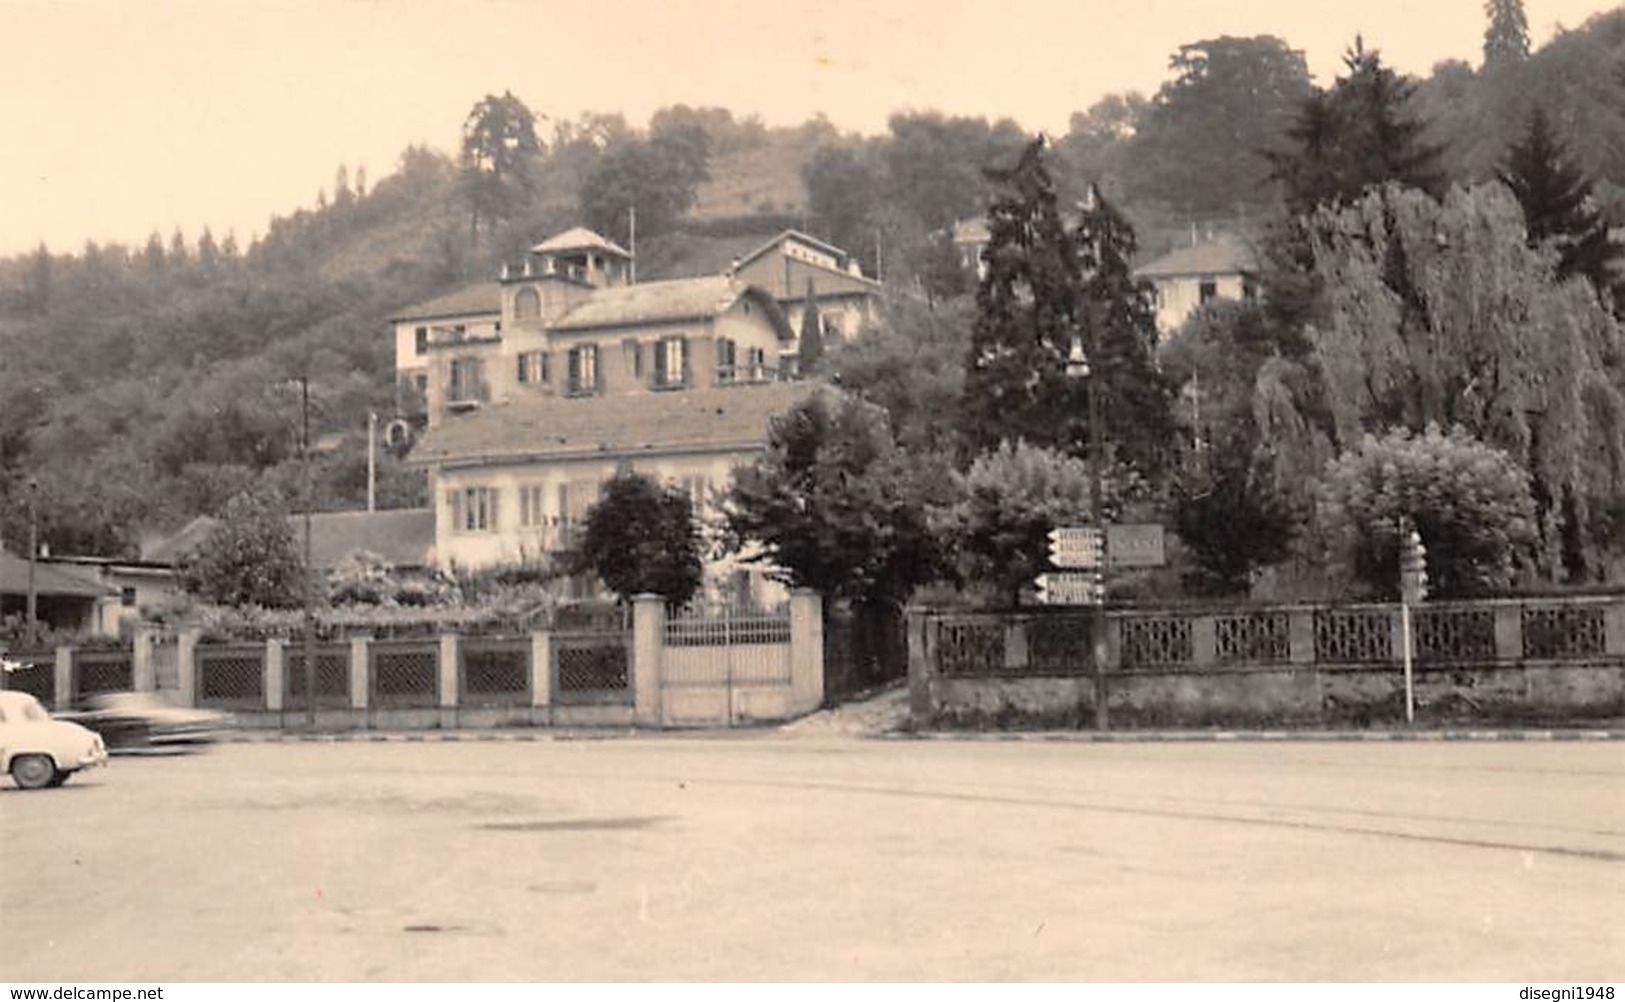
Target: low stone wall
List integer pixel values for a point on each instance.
(991, 671)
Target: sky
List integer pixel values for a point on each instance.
(119, 118)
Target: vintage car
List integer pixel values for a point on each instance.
(136, 720)
(39, 751)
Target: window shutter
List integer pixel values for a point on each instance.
(574, 373)
(454, 498)
(522, 374)
(491, 495)
(547, 366)
(660, 363)
(686, 376)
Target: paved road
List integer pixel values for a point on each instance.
(765, 858)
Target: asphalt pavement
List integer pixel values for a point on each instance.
(823, 857)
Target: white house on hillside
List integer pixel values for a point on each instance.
(1224, 267)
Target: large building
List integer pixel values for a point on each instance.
(581, 372)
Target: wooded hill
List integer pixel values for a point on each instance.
(141, 386)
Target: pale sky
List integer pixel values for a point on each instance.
(120, 117)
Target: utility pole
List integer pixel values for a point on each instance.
(372, 461)
(33, 559)
(632, 244)
(310, 571)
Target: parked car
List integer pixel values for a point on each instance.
(39, 751)
(136, 720)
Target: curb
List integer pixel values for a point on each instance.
(1083, 737)
(1278, 737)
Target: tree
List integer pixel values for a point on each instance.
(810, 348)
(659, 178)
(1506, 39)
(935, 164)
(1200, 147)
(1229, 506)
(1470, 503)
(913, 367)
(843, 190)
(1120, 333)
(1045, 287)
(836, 506)
(499, 152)
(1005, 506)
(1438, 313)
(1557, 205)
(1027, 314)
(1359, 134)
(249, 558)
(641, 537)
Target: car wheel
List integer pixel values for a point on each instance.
(33, 772)
(60, 778)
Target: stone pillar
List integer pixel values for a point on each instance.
(806, 650)
(541, 669)
(648, 637)
(186, 666)
(64, 678)
(919, 667)
(1614, 627)
(1204, 640)
(275, 673)
(360, 648)
(142, 676)
(1301, 635)
(450, 690)
(1509, 632)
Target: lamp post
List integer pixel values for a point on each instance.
(1078, 368)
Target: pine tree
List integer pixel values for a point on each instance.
(810, 349)
(1027, 315)
(1120, 324)
(1557, 204)
(1357, 135)
(1506, 39)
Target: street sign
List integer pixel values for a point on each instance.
(1135, 545)
(1069, 588)
(1075, 547)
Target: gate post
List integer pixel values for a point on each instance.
(806, 650)
(919, 667)
(186, 665)
(64, 678)
(541, 673)
(648, 635)
(360, 677)
(274, 674)
(450, 676)
(142, 676)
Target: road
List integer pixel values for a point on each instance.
(761, 857)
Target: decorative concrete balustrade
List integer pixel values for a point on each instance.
(1515, 659)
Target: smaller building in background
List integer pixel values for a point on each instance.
(470, 315)
(1222, 267)
(795, 267)
(66, 598)
(403, 537)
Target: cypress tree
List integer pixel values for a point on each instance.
(1506, 39)
(1557, 205)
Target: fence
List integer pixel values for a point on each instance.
(1496, 658)
(605, 669)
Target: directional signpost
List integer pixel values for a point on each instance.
(1080, 551)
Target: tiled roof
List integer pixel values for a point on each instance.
(482, 297)
(624, 425)
(579, 238)
(678, 299)
(48, 579)
(403, 536)
(1224, 255)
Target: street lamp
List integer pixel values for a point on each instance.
(1078, 369)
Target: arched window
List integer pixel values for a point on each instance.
(527, 304)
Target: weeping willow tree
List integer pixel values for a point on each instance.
(1437, 312)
